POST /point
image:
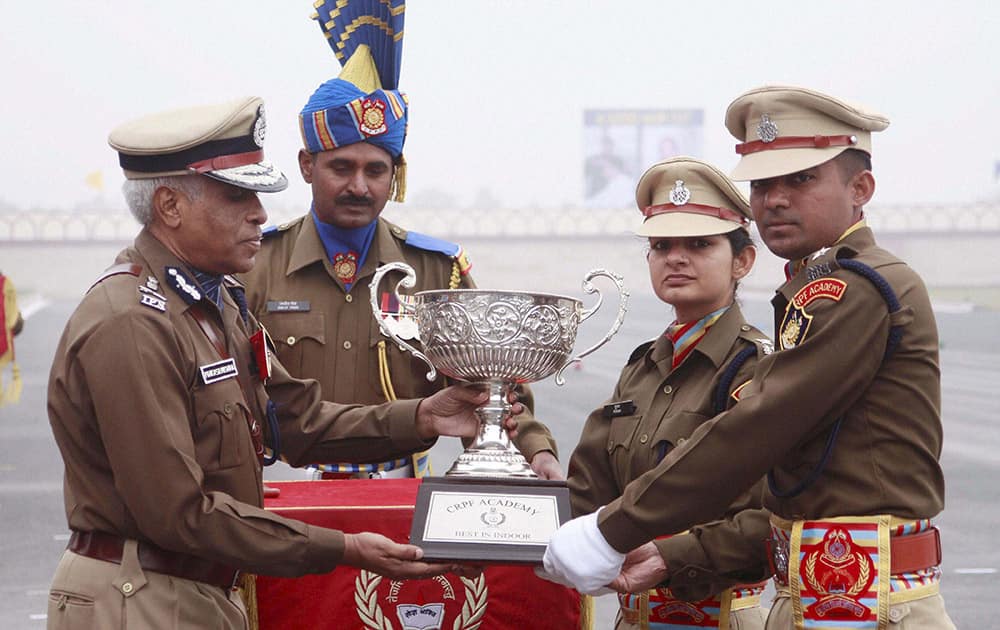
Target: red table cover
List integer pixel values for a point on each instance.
(347, 598)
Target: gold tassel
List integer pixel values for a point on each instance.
(586, 612)
(397, 192)
(248, 591)
(13, 391)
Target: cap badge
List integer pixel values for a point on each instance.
(767, 131)
(680, 195)
(259, 127)
(372, 117)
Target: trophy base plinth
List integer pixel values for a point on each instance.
(492, 463)
(488, 520)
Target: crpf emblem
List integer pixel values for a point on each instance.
(839, 573)
(372, 118)
(414, 611)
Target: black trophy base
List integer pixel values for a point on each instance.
(488, 520)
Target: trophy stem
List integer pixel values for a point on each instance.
(492, 454)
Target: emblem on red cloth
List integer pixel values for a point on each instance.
(372, 119)
(413, 609)
(839, 573)
(345, 265)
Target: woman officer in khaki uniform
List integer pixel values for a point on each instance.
(699, 248)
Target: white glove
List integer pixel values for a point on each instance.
(579, 555)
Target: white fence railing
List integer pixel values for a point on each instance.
(117, 225)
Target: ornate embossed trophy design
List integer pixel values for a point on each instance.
(490, 506)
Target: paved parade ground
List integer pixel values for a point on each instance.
(33, 527)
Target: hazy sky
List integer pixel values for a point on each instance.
(497, 88)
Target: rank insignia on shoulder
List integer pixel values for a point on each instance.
(765, 345)
(152, 284)
(218, 371)
(819, 271)
(619, 409)
(153, 300)
(183, 285)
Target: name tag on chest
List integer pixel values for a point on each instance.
(287, 306)
(218, 371)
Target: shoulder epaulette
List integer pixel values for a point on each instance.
(131, 269)
(432, 244)
(274, 230)
(640, 351)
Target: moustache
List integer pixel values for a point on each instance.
(353, 200)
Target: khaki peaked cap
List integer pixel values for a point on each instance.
(786, 129)
(223, 141)
(684, 196)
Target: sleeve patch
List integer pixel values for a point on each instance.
(829, 288)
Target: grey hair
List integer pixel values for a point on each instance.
(139, 193)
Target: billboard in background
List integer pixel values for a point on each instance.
(620, 144)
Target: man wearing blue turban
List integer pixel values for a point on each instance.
(310, 284)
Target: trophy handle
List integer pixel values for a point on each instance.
(588, 287)
(408, 281)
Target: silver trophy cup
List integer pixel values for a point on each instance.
(501, 338)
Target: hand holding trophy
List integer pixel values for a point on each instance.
(490, 506)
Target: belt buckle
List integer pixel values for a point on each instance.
(779, 558)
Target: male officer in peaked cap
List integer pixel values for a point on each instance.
(164, 401)
(311, 288)
(844, 420)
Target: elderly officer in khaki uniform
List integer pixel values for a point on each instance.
(699, 248)
(844, 419)
(310, 287)
(163, 400)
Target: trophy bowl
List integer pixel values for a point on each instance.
(501, 338)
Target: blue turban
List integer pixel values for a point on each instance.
(339, 113)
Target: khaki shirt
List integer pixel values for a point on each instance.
(885, 459)
(324, 332)
(153, 453)
(669, 406)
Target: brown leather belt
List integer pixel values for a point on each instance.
(908, 554)
(108, 547)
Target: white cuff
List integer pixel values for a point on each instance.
(579, 554)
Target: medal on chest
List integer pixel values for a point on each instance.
(345, 265)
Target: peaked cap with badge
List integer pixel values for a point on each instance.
(363, 103)
(786, 129)
(684, 196)
(223, 141)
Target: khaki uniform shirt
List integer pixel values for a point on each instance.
(830, 364)
(324, 332)
(669, 406)
(153, 453)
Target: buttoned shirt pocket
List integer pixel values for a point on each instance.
(299, 340)
(673, 432)
(621, 442)
(221, 437)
